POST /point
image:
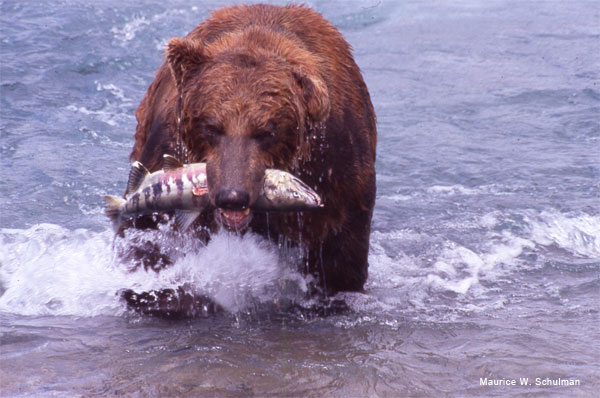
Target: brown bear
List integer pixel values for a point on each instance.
(261, 86)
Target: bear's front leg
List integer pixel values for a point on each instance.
(170, 303)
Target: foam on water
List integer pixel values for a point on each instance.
(429, 271)
(139, 24)
(579, 235)
(50, 270)
(459, 268)
(113, 113)
(454, 189)
(129, 30)
(232, 270)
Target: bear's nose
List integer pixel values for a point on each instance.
(232, 199)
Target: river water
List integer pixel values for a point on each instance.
(485, 251)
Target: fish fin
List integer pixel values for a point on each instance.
(136, 175)
(183, 219)
(171, 163)
(112, 208)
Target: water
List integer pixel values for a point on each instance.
(485, 252)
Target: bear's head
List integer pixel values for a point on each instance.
(246, 102)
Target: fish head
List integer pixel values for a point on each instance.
(283, 191)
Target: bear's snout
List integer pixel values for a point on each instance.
(232, 199)
(234, 175)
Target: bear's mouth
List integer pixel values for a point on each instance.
(234, 220)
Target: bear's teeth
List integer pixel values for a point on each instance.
(235, 215)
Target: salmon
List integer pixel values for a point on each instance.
(183, 188)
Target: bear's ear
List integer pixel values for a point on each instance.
(315, 93)
(184, 56)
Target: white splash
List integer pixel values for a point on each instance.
(50, 270)
(47, 269)
(453, 190)
(459, 268)
(231, 269)
(115, 111)
(578, 235)
(130, 29)
(115, 91)
(139, 23)
(421, 267)
(111, 114)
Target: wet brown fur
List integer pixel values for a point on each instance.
(273, 87)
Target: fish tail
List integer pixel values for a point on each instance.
(112, 208)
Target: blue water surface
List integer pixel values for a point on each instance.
(485, 246)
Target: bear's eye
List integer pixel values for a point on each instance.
(212, 131)
(263, 135)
